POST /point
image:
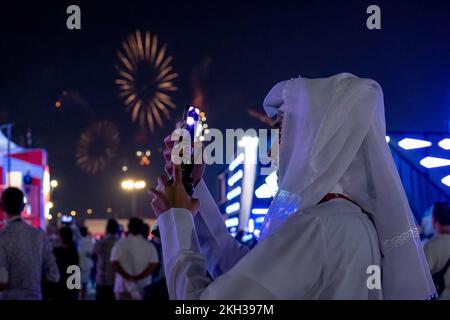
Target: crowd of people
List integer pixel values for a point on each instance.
(118, 266)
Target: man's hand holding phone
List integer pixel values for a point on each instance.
(172, 195)
(198, 170)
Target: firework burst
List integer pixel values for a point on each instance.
(145, 79)
(97, 146)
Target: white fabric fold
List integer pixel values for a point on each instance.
(334, 133)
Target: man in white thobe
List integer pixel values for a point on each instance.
(340, 211)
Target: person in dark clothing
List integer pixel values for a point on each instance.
(66, 255)
(104, 278)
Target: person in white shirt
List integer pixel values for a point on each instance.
(437, 249)
(134, 260)
(85, 247)
(339, 220)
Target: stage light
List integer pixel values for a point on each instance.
(260, 210)
(256, 233)
(259, 220)
(432, 162)
(234, 193)
(236, 162)
(89, 211)
(388, 139)
(124, 168)
(233, 207)
(139, 153)
(272, 183)
(148, 153)
(59, 214)
(49, 217)
(246, 237)
(109, 210)
(409, 143)
(235, 177)
(263, 192)
(73, 213)
(49, 205)
(251, 225)
(446, 180)
(232, 222)
(445, 144)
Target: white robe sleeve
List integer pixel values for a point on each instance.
(286, 265)
(221, 250)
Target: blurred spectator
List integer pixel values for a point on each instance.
(134, 260)
(85, 253)
(105, 274)
(26, 257)
(158, 289)
(437, 250)
(66, 255)
(426, 225)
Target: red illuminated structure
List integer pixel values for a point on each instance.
(27, 170)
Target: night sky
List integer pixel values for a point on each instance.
(233, 51)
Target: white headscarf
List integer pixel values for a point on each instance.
(334, 134)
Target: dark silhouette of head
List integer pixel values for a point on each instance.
(66, 235)
(145, 230)
(135, 226)
(112, 227)
(441, 213)
(83, 231)
(12, 201)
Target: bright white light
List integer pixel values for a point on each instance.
(124, 168)
(190, 121)
(263, 192)
(234, 193)
(127, 184)
(445, 144)
(259, 210)
(237, 161)
(247, 141)
(53, 183)
(446, 180)
(246, 238)
(259, 220)
(139, 184)
(272, 183)
(50, 205)
(432, 162)
(232, 222)
(251, 225)
(235, 177)
(233, 208)
(256, 233)
(388, 139)
(409, 143)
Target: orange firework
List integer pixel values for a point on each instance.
(97, 146)
(146, 79)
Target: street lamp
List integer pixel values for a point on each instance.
(54, 183)
(132, 186)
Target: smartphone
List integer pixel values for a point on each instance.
(192, 122)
